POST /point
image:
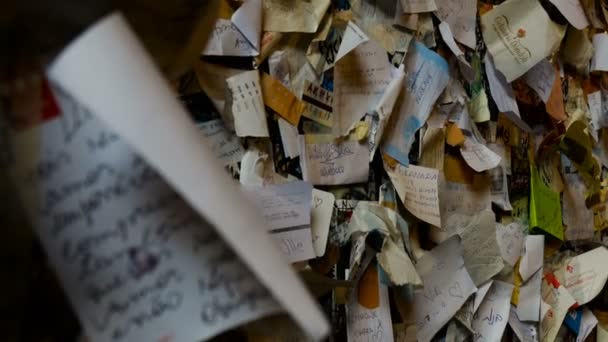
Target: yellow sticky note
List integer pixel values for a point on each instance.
(517, 284)
(545, 206)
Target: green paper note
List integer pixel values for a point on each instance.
(545, 206)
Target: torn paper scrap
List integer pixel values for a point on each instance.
(326, 160)
(248, 19)
(418, 6)
(124, 108)
(293, 16)
(541, 78)
(532, 256)
(417, 187)
(427, 76)
(490, 320)
(322, 208)
(599, 62)
(461, 15)
(247, 104)
(528, 306)
(573, 11)
(518, 34)
(360, 79)
(560, 301)
(397, 264)
(383, 110)
(482, 256)
(585, 275)
(227, 40)
(511, 241)
(281, 100)
(166, 256)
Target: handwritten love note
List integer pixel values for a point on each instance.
(137, 262)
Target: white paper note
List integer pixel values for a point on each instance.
(519, 34)
(364, 324)
(333, 162)
(541, 78)
(447, 286)
(528, 306)
(461, 15)
(511, 241)
(478, 156)
(383, 111)
(226, 146)
(417, 187)
(322, 208)
(247, 104)
(481, 252)
(427, 76)
(360, 79)
(289, 138)
(584, 275)
(248, 19)
(526, 332)
(490, 320)
(573, 11)
(532, 257)
(124, 108)
(353, 36)
(136, 261)
(227, 40)
(599, 62)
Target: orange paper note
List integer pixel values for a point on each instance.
(281, 100)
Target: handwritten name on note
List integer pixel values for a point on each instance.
(136, 261)
(417, 187)
(287, 210)
(490, 320)
(328, 161)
